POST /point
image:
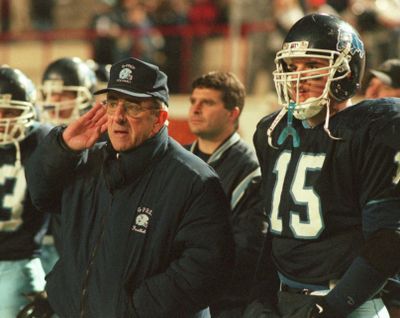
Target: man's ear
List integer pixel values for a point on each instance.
(160, 120)
(235, 113)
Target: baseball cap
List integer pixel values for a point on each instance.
(137, 78)
(389, 72)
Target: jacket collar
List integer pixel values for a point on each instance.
(233, 139)
(121, 168)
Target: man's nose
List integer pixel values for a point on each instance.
(120, 113)
(55, 97)
(196, 107)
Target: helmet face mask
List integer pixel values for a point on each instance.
(342, 57)
(18, 113)
(66, 91)
(62, 104)
(15, 127)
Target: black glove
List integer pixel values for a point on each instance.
(39, 307)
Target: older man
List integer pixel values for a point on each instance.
(145, 224)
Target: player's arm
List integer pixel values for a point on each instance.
(379, 176)
(368, 273)
(379, 260)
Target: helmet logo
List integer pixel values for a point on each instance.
(53, 86)
(297, 45)
(142, 219)
(345, 38)
(5, 99)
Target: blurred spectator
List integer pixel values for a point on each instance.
(319, 6)
(105, 32)
(287, 12)
(5, 17)
(42, 14)
(223, 11)
(20, 12)
(340, 6)
(144, 41)
(379, 24)
(169, 15)
(202, 18)
(274, 18)
(262, 35)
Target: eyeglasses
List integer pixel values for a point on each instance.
(131, 108)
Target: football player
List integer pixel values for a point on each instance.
(22, 226)
(66, 91)
(331, 173)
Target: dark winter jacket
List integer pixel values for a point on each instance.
(237, 166)
(145, 233)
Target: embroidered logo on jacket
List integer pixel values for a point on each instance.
(142, 219)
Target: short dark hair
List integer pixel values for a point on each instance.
(232, 89)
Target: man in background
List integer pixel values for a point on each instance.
(385, 80)
(217, 100)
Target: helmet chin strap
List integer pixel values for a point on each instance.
(290, 131)
(326, 124)
(273, 126)
(17, 154)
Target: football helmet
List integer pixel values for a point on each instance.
(71, 76)
(102, 72)
(324, 37)
(17, 110)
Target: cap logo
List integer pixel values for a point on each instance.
(125, 75)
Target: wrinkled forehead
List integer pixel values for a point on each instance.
(116, 95)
